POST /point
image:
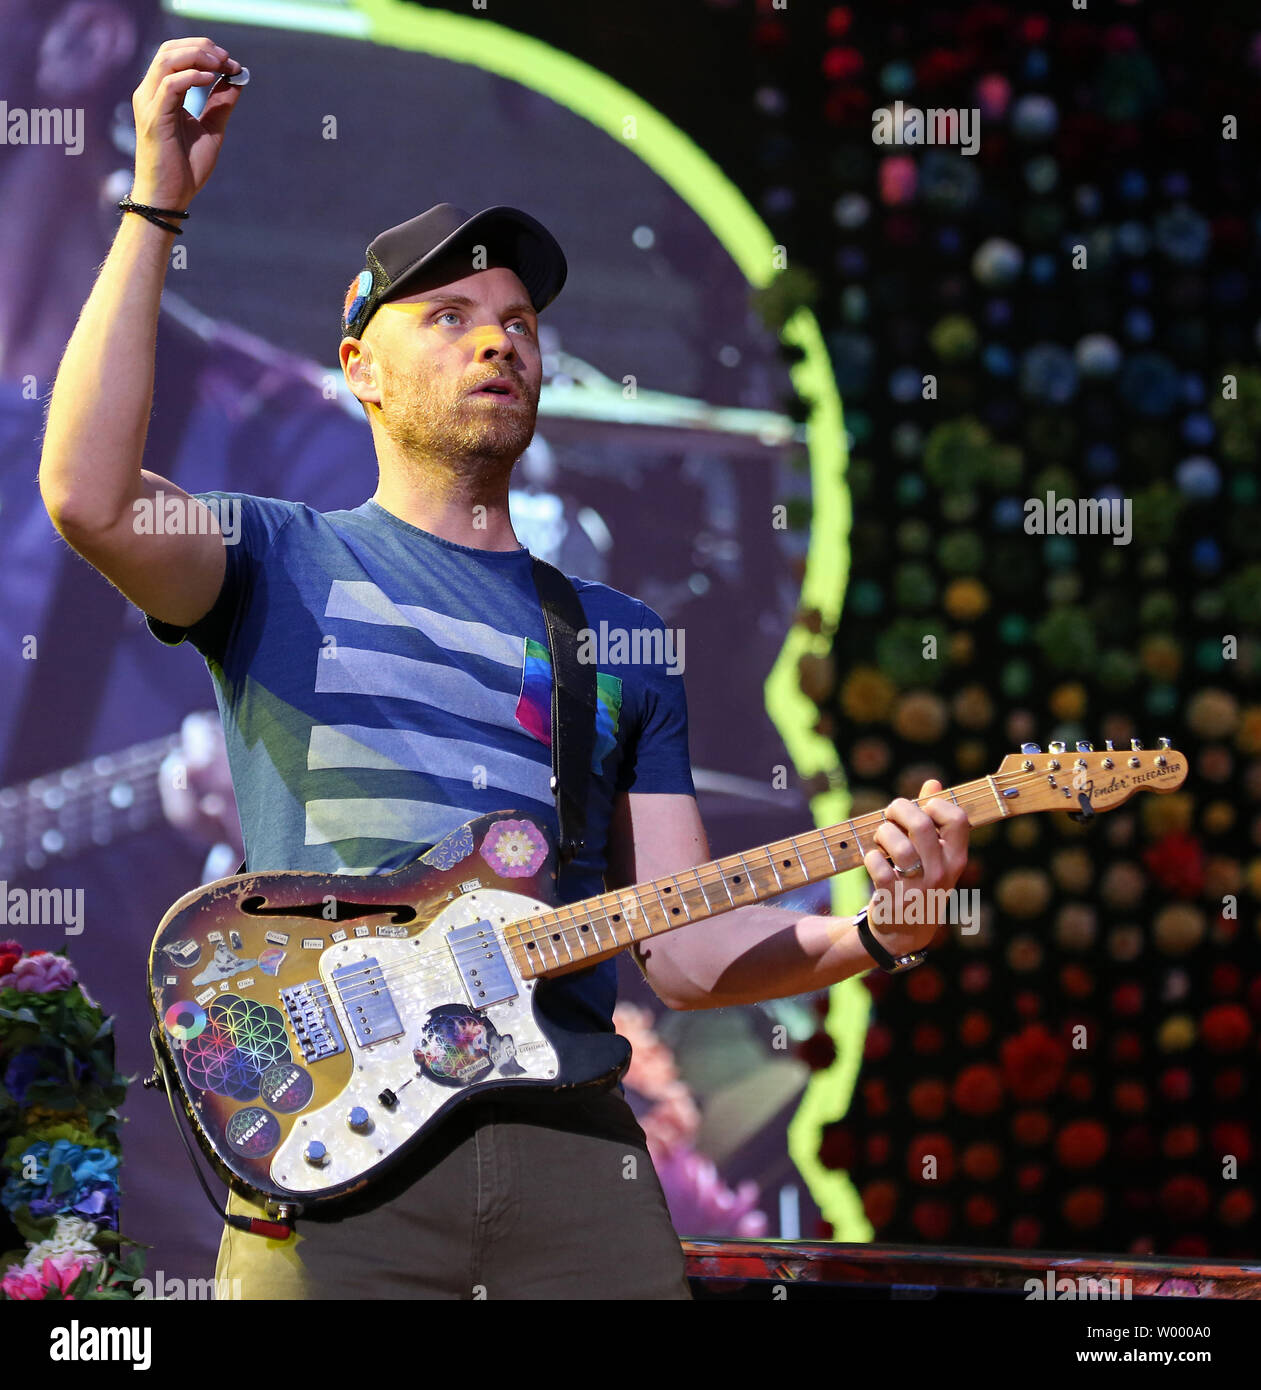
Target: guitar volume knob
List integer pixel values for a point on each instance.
(358, 1120)
(315, 1154)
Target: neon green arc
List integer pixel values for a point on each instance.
(702, 185)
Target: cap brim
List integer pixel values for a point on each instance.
(517, 238)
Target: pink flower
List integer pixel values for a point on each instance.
(58, 1272)
(22, 1284)
(42, 974)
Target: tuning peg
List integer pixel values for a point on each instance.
(1107, 743)
(1136, 744)
(1057, 745)
(1030, 748)
(1085, 746)
(1163, 742)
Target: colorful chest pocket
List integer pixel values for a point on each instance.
(534, 708)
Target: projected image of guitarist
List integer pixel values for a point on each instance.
(385, 676)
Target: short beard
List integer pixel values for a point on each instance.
(461, 438)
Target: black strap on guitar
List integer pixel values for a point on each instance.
(573, 707)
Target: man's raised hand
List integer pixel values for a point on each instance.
(176, 152)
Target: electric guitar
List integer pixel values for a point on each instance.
(318, 1025)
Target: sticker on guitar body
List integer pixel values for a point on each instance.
(458, 1046)
(224, 965)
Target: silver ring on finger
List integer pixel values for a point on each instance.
(916, 868)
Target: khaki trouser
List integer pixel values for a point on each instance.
(557, 1199)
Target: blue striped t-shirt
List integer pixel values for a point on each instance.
(379, 686)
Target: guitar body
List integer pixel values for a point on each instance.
(319, 1025)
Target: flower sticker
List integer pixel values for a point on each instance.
(514, 848)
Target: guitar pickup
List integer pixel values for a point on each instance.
(479, 959)
(312, 1020)
(367, 1001)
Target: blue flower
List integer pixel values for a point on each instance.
(91, 1189)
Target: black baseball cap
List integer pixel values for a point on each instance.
(398, 256)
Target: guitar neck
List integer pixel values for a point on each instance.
(585, 933)
(1082, 782)
(93, 803)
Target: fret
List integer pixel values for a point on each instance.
(682, 896)
(748, 878)
(579, 933)
(568, 932)
(828, 850)
(595, 926)
(805, 873)
(1002, 805)
(628, 917)
(665, 911)
(770, 859)
(565, 946)
(722, 878)
(700, 883)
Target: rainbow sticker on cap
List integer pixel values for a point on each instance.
(356, 296)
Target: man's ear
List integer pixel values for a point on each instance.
(360, 370)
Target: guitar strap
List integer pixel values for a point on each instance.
(573, 707)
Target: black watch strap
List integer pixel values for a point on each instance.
(892, 965)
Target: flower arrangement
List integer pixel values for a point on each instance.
(59, 1150)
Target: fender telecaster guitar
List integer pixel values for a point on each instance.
(319, 1025)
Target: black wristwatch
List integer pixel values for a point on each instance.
(892, 965)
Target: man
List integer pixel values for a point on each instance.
(382, 677)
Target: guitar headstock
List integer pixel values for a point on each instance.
(1085, 780)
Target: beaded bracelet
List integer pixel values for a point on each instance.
(150, 214)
